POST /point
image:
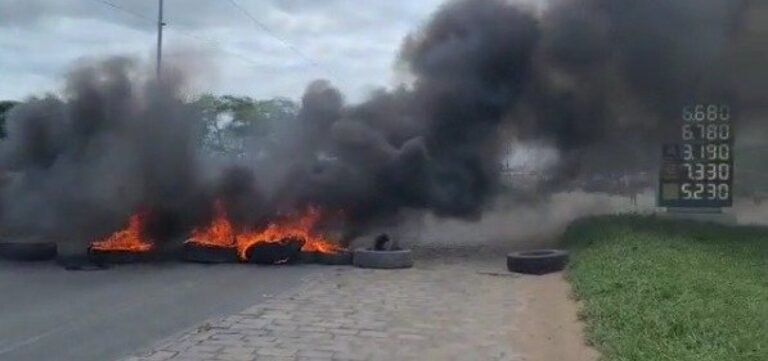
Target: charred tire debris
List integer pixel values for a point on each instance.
(308, 257)
(385, 254)
(537, 262)
(197, 253)
(119, 257)
(275, 253)
(341, 258)
(165, 254)
(28, 251)
(80, 262)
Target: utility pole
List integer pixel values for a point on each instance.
(160, 25)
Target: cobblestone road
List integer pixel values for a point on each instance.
(446, 308)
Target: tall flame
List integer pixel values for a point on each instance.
(129, 239)
(219, 233)
(292, 227)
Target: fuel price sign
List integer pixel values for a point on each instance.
(697, 171)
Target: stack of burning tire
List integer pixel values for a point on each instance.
(124, 246)
(127, 246)
(284, 251)
(196, 251)
(332, 256)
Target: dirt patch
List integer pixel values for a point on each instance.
(550, 329)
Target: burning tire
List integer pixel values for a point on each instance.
(207, 254)
(308, 257)
(119, 257)
(385, 259)
(341, 258)
(537, 262)
(274, 252)
(28, 251)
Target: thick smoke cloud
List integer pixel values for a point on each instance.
(614, 75)
(430, 146)
(602, 81)
(112, 144)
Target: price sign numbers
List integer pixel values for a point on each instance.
(697, 171)
(705, 191)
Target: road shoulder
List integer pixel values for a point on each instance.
(549, 324)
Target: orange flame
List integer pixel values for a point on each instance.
(129, 239)
(218, 233)
(277, 232)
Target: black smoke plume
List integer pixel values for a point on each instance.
(112, 143)
(602, 81)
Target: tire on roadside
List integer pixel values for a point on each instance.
(28, 251)
(196, 253)
(307, 257)
(274, 253)
(120, 257)
(341, 258)
(390, 259)
(79, 262)
(537, 262)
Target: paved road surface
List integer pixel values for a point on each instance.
(453, 305)
(47, 313)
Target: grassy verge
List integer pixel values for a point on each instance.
(658, 290)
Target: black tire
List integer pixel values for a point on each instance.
(537, 262)
(120, 257)
(210, 255)
(341, 258)
(394, 259)
(79, 263)
(28, 251)
(307, 257)
(274, 253)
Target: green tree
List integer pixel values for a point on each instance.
(229, 120)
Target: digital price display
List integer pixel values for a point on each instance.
(697, 171)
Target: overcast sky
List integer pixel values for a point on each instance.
(351, 42)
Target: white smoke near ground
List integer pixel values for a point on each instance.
(514, 225)
(540, 225)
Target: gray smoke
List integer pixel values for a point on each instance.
(111, 144)
(614, 76)
(602, 81)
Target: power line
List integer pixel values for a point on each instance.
(216, 44)
(125, 10)
(272, 33)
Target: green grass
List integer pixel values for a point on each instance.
(667, 290)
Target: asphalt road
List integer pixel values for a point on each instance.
(47, 313)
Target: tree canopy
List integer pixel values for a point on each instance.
(229, 120)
